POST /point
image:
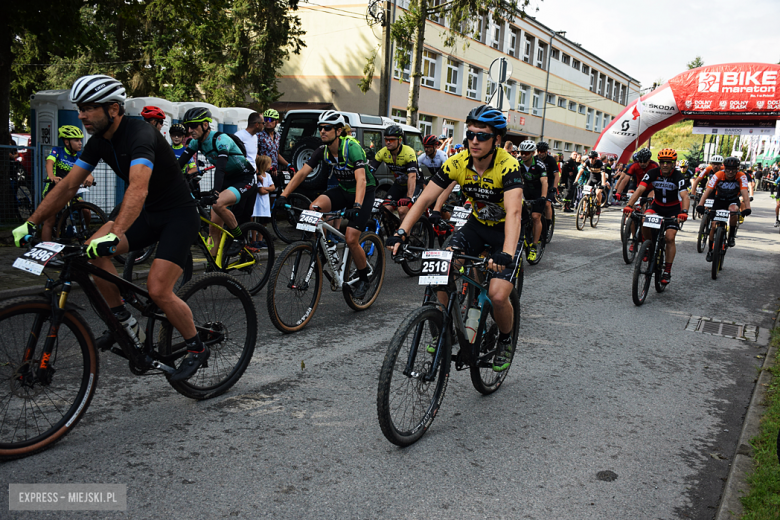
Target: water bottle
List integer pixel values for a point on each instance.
(472, 323)
(135, 331)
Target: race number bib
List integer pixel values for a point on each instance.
(308, 220)
(378, 202)
(708, 203)
(722, 215)
(459, 216)
(587, 189)
(699, 190)
(435, 267)
(34, 260)
(653, 221)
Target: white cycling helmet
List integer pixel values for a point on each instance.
(527, 146)
(716, 159)
(97, 89)
(331, 117)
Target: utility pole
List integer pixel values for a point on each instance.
(386, 77)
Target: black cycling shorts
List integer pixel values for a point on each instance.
(474, 238)
(724, 203)
(532, 197)
(340, 199)
(174, 229)
(398, 192)
(666, 211)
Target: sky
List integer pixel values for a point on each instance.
(655, 40)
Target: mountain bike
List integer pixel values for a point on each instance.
(48, 358)
(720, 242)
(528, 232)
(385, 223)
(412, 381)
(704, 226)
(650, 258)
(587, 208)
(695, 198)
(296, 279)
(631, 242)
(284, 218)
(23, 199)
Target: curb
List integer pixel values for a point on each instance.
(138, 275)
(736, 486)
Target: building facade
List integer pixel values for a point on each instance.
(557, 89)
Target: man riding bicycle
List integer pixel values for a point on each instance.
(668, 184)
(402, 162)
(355, 190)
(716, 165)
(592, 169)
(492, 181)
(157, 207)
(233, 174)
(154, 116)
(727, 185)
(535, 189)
(636, 171)
(553, 174)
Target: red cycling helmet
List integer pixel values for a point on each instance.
(430, 140)
(152, 113)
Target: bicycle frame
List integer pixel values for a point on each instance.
(204, 242)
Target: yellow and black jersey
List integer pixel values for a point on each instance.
(402, 167)
(486, 193)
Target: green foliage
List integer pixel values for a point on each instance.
(368, 72)
(695, 63)
(225, 52)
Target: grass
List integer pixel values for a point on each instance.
(763, 500)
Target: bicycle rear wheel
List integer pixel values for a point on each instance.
(407, 403)
(291, 299)
(627, 239)
(285, 220)
(375, 257)
(79, 222)
(421, 235)
(40, 407)
(642, 273)
(582, 213)
(252, 265)
(483, 377)
(226, 318)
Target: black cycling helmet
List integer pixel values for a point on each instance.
(593, 154)
(542, 146)
(197, 115)
(490, 116)
(394, 131)
(430, 140)
(644, 155)
(731, 163)
(178, 128)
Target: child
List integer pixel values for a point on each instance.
(262, 210)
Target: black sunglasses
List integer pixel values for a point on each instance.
(326, 128)
(665, 162)
(481, 136)
(190, 126)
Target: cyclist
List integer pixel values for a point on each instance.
(433, 158)
(727, 185)
(535, 188)
(568, 174)
(154, 116)
(716, 165)
(671, 200)
(637, 170)
(402, 162)
(59, 163)
(157, 207)
(355, 190)
(553, 175)
(592, 169)
(177, 133)
(687, 173)
(491, 179)
(233, 175)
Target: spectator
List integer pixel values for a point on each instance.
(253, 127)
(265, 186)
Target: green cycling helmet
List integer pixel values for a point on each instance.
(271, 113)
(197, 115)
(70, 132)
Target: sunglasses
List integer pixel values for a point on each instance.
(665, 162)
(269, 119)
(526, 153)
(190, 126)
(326, 128)
(481, 136)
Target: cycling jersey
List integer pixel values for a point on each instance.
(667, 189)
(532, 178)
(594, 178)
(177, 151)
(137, 142)
(486, 192)
(551, 166)
(351, 157)
(728, 189)
(433, 164)
(231, 164)
(64, 161)
(402, 167)
(707, 172)
(637, 172)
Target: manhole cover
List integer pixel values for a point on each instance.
(727, 329)
(606, 476)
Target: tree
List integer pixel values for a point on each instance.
(464, 17)
(695, 63)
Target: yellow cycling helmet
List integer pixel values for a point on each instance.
(70, 132)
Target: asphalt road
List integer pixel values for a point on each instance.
(598, 385)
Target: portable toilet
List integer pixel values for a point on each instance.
(51, 109)
(216, 113)
(134, 106)
(235, 119)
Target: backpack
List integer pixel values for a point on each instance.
(235, 139)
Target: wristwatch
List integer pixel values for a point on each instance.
(401, 233)
(357, 205)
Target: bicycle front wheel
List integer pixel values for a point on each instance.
(226, 319)
(375, 257)
(40, 406)
(80, 221)
(660, 258)
(718, 243)
(421, 235)
(582, 213)
(285, 220)
(595, 213)
(704, 233)
(252, 265)
(295, 288)
(407, 400)
(642, 273)
(483, 377)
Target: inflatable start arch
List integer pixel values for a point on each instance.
(733, 91)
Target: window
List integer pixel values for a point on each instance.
(522, 98)
(472, 84)
(449, 128)
(556, 54)
(512, 50)
(585, 69)
(425, 124)
(578, 148)
(589, 120)
(399, 116)
(509, 92)
(601, 84)
(406, 71)
(453, 77)
(540, 56)
(495, 36)
(527, 44)
(372, 142)
(608, 88)
(436, 16)
(551, 98)
(582, 109)
(592, 81)
(478, 30)
(556, 145)
(567, 147)
(597, 128)
(428, 69)
(561, 102)
(489, 91)
(606, 120)
(572, 106)
(566, 59)
(575, 64)
(537, 102)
